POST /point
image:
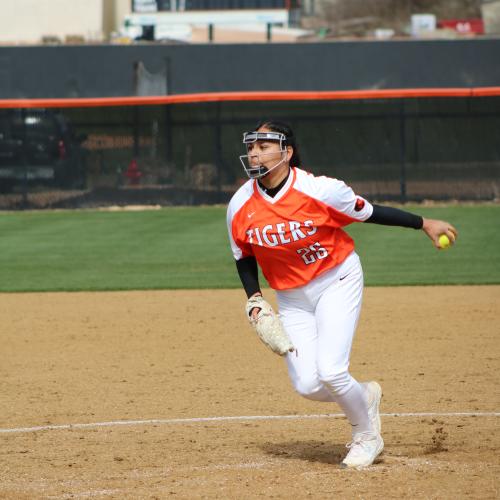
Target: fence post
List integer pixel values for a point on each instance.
(218, 145)
(136, 132)
(24, 202)
(135, 114)
(168, 118)
(402, 169)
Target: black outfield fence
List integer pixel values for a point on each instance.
(437, 146)
(109, 70)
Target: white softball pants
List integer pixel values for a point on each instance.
(321, 318)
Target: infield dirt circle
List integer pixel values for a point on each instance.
(174, 356)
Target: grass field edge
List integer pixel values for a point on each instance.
(194, 288)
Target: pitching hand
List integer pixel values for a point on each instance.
(435, 228)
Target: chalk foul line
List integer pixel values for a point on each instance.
(116, 423)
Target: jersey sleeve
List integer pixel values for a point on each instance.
(239, 247)
(337, 195)
(236, 249)
(342, 198)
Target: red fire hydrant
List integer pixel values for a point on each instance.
(133, 173)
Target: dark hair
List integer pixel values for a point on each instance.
(283, 128)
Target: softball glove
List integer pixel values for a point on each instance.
(268, 326)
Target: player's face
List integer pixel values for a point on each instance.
(267, 157)
(265, 153)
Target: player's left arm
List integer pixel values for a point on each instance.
(433, 228)
(342, 198)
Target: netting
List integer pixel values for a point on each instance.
(387, 149)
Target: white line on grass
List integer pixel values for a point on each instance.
(115, 423)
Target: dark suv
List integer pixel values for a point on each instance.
(38, 147)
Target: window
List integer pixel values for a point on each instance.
(184, 5)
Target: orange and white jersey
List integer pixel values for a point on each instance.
(297, 235)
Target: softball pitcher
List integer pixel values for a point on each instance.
(289, 222)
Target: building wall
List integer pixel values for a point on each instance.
(27, 21)
(122, 8)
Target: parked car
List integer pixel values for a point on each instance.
(37, 146)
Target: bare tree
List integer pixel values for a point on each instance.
(357, 17)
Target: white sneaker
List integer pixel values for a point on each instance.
(374, 395)
(364, 448)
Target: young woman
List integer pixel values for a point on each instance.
(289, 222)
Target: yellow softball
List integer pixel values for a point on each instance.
(444, 242)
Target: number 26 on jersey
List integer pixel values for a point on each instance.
(312, 253)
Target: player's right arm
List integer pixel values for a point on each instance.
(249, 275)
(246, 263)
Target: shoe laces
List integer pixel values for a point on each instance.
(360, 439)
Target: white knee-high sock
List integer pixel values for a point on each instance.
(354, 405)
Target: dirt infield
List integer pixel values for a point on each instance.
(108, 357)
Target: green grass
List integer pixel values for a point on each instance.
(397, 256)
(188, 248)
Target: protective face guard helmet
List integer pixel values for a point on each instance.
(258, 171)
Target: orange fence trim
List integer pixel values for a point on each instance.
(486, 91)
(92, 102)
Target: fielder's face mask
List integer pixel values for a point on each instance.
(259, 170)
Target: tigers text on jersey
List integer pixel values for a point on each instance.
(297, 235)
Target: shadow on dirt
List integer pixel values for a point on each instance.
(312, 451)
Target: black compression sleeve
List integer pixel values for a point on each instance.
(389, 216)
(249, 275)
